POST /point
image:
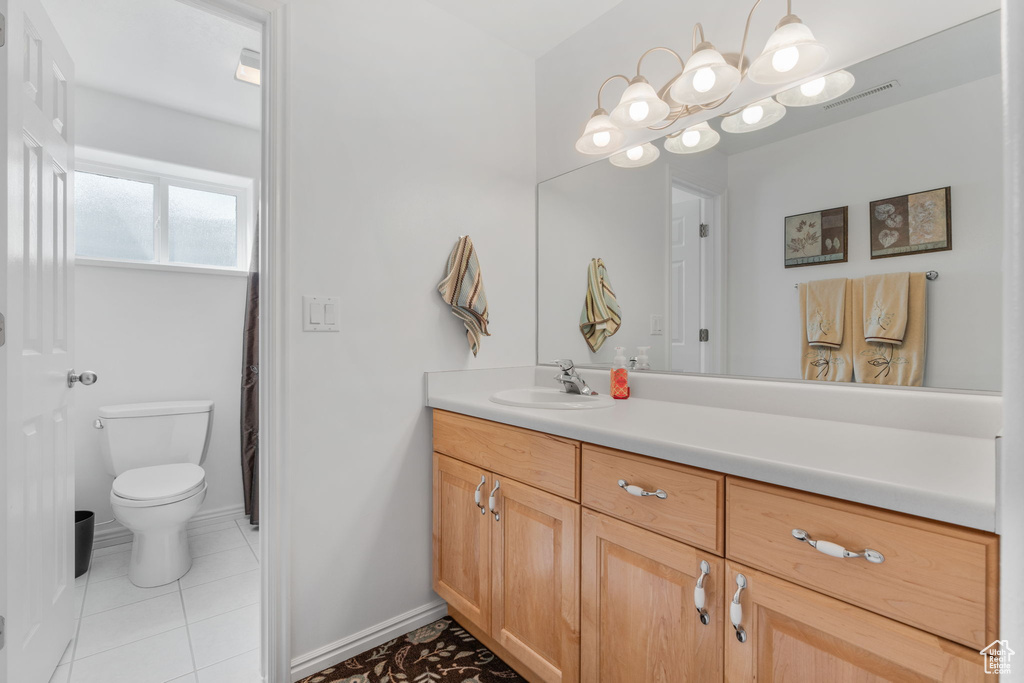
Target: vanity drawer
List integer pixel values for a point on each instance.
(691, 511)
(934, 576)
(546, 462)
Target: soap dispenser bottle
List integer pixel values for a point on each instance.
(620, 374)
(643, 360)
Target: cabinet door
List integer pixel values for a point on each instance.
(639, 617)
(795, 634)
(462, 537)
(535, 577)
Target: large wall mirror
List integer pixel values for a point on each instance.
(922, 117)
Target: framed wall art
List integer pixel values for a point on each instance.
(815, 238)
(911, 224)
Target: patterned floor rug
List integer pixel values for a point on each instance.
(441, 652)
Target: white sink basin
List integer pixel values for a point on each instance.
(550, 399)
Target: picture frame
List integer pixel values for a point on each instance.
(816, 238)
(916, 223)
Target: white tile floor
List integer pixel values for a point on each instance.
(203, 628)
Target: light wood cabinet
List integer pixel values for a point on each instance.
(796, 634)
(511, 572)
(639, 617)
(462, 539)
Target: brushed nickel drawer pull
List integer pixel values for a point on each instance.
(698, 593)
(491, 501)
(835, 550)
(736, 609)
(634, 490)
(477, 495)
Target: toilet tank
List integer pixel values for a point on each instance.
(145, 434)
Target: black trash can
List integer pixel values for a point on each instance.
(85, 526)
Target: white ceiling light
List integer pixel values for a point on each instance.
(693, 139)
(817, 91)
(640, 106)
(600, 135)
(790, 54)
(637, 156)
(248, 67)
(755, 116)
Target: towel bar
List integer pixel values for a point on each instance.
(929, 275)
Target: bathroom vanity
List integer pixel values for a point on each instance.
(577, 561)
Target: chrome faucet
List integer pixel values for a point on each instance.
(571, 380)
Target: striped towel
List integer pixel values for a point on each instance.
(600, 317)
(463, 290)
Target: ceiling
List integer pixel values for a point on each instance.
(530, 26)
(162, 51)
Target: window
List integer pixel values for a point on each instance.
(124, 216)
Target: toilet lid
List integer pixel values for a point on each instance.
(159, 481)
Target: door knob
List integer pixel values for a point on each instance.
(88, 377)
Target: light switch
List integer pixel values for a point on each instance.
(657, 324)
(320, 314)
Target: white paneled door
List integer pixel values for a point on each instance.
(685, 283)
(36, 300)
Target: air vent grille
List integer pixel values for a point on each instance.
(861, 95)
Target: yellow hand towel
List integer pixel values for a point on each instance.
(893, 364)
(463, 290)
(600, 316)
(826, 312)
(885, 307)
(826, 363)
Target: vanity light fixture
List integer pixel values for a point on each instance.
(640, 105)
(790, 54)
(754, 116)
(694, 139)
(600, 135)
(817, 91)
(635, 157)
(248, 69)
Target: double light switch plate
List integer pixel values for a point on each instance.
(320, 314)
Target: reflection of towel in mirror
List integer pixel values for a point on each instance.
(887, 363)
(600, 317)
(822, 362)
(825, 312)
(463, 290)
(885, 307)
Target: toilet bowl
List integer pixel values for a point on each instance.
(155, 504)
(154, 451)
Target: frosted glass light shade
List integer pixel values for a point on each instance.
(635, 157)
(771, 112)
(600, 136)
(706, 78)
(790, 54)
(834, 85)
(707, 138)
(640, 106)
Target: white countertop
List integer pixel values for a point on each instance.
(940, 476)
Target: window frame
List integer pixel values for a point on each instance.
(242, 191)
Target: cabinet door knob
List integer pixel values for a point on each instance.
(698, 593)
(491, 502)
(634, 490)
(477, 495)
(736, 609)
(835, 550)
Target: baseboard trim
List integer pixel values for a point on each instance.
(346, 648)
(115, 534)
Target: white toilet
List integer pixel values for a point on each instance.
(155, 451)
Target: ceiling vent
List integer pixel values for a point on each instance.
(861, 95)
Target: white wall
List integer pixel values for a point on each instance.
(953, 138)
(406, 128)
(154, 335)
(568, 76)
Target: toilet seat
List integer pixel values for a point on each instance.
(158, 485)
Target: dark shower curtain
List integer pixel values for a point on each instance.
(250, 422)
